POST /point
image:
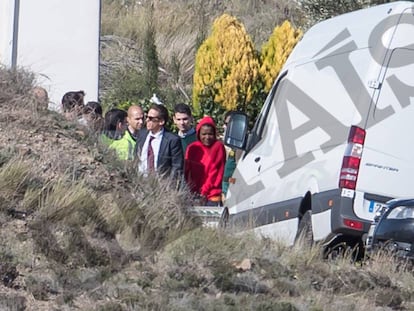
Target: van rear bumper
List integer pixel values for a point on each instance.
(342, 213)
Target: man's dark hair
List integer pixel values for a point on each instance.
(162, 111)
(72, 99)
(182, 108)
(112, 118)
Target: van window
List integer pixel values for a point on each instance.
(256, 134)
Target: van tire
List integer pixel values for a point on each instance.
(305, 233)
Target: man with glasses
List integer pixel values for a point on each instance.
(158, 150)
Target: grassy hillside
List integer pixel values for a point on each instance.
(80, 230)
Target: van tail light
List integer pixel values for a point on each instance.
(352, 158)
(354, 224)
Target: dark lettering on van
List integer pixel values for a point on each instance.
(382, 167)
(355, 88)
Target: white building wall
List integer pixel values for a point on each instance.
(6, 31)
(59, 41)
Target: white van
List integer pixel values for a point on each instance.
(335, 137)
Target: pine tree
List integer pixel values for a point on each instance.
(226, 72)
(275, 52)
(151, 61)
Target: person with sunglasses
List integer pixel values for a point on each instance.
(159, 151)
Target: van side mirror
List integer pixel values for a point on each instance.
(236, 132)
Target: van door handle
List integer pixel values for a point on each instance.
(257, 159)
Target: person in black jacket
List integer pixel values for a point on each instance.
(158, 150)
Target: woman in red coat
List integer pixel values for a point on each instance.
(204, 163)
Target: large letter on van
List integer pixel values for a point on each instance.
(318, 118)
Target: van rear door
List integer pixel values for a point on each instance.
(386, 165)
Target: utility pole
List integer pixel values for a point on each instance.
(15, 34)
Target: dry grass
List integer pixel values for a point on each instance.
(15, 86)
(289, 278)
(392, 270)
(16, 178)
(64, 199)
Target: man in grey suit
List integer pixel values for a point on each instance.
(158, 150)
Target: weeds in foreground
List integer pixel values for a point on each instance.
(391, 270)
(15, 85)
(64, 200)
(15, 177)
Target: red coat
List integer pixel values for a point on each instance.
(204, 165)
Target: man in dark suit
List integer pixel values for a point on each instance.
(157, 149)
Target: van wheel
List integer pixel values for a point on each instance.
(305, 234)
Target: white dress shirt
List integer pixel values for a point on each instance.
(156, 143)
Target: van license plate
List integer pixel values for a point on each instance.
(375, 206)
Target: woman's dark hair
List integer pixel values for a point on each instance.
(112, 118)
(72, 99)
(93, 107)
